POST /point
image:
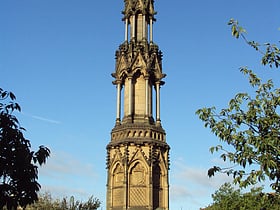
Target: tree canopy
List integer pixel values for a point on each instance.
(226, 197)
(18, 163)
(250, 125)
(46, 202)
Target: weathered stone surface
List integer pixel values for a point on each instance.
(138, 154)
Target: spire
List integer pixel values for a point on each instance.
(138, 155)
(138, 66)
(139, 18)
(139, 6)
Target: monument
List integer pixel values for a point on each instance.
(138, 155)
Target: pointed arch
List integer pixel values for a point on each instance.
(138, 184)
(118, 175)
(118, 190)
(139, 63)
(121, 71)
(160, 179)
(116, 159)
(138, 173)
(157, 186)
(138, 156)
(162, 162)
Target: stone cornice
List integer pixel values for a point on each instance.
(138, 126)
(130, 142)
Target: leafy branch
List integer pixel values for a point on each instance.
(18, 169)
(270, 52)
(250, 124)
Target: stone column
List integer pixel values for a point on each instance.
(118, 119)
(151, 30)
(151, 101)
(133, 26)
(126, 29)
(144, 26)
(130, 96)
(158, 102)
(147, 97)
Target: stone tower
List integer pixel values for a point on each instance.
(138, 155)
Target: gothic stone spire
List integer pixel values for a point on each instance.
(138, 155)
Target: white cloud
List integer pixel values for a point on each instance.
(62, 191)
(45, 119)
(191, 186)
(178, 191)
(61, 164)
(199, 177)
(64, 175)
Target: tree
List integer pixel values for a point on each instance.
(228, 198)
(18, 163)
(46, 202)
(250, 125)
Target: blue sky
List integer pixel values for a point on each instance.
(57, 56)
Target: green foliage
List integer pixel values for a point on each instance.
(270, 52)
(46, 202)
(227, 198)
(250, 125)
(18, 169)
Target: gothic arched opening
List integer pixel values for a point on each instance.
(157, 188)
(138, 187)
(117, 186)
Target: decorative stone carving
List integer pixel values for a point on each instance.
(118, 176)
(137, 175)
(138, 155)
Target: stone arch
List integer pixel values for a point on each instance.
(117, 174)
(134, 133)
(129, 134)
(137, 173)
(117, 185)
(160, 178)
(147, 134)
(138, 184)
(123, 75)
(157, 186)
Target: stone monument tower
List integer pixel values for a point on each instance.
(138, 155)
